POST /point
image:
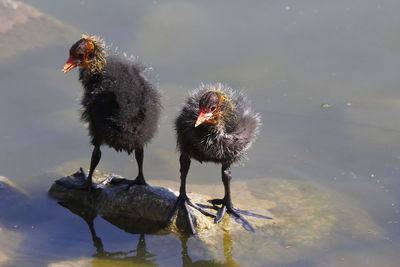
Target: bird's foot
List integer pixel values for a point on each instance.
(183, 203)
(83, 183)
(80, 183)
(105, 182)
(91, 186)
(138, 181)
(227, 207)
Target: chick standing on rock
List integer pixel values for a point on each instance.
(215, 125)
(119, 104)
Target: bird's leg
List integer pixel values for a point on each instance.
(141, 250)
(96, 155)
(183, 202)
(186, 260)
(98, 244)
(139, 159)
(227, 205)
(140, 178)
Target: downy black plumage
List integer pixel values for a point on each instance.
(119, 104)
(216, 125)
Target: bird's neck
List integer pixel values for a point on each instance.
(226, 117)
(222, 124)
(218, 129)
(90, 80)
(97, 63)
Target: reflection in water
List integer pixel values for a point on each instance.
(88, 215)
(141, 254)
(227, 245)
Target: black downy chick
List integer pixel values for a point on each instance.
(119, 104)
(216, 125)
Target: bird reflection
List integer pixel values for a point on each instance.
(141, 254)
(227, 246)
(138, 255)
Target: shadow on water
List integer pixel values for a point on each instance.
(141, 254)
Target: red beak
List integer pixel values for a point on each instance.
(69, 65)
(203, 117)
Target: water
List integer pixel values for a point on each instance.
(294, 58)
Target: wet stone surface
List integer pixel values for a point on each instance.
(304, 216)
(143, 208)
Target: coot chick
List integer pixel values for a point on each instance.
(119, 104)
(216, 125)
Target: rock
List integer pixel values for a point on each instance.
(10, 186)
(305, 218)
(23, 27)
(136, 205)
(137, 209)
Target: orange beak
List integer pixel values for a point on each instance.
(69, 65)
(203, 117)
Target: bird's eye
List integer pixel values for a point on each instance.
(80, 55)
(213, 108)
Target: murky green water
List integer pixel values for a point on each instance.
(323, 75)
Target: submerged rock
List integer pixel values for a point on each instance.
(305, 216)
(73, 263)
(23, 27)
